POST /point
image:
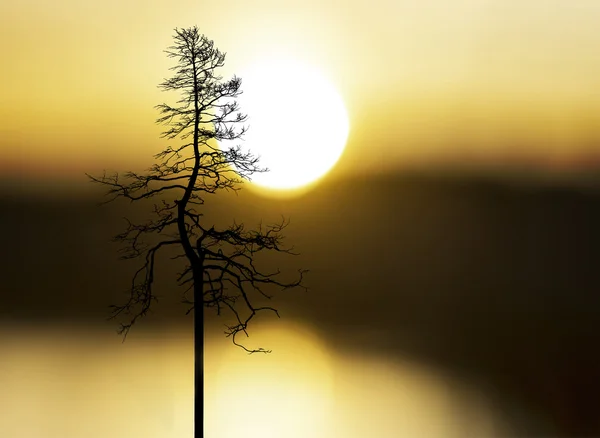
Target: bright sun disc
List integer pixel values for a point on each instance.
(297, 123)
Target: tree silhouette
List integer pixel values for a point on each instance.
(219, 263)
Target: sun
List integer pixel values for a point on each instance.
(297, 122)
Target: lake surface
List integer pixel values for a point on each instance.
(69, 382)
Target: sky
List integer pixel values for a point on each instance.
(491, 83)
(447, 297)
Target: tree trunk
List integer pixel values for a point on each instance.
(198, 354)
(198, 368)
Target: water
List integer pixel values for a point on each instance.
(72, 382)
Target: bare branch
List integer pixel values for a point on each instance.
(220, 265)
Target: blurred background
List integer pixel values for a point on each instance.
(453, 249)
(437, 306)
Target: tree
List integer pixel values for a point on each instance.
(219, 263)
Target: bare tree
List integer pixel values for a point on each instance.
(219, 263)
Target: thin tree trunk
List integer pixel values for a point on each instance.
(198, 278)
(198, 358)
(198, 374)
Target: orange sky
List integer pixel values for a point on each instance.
(423, 81)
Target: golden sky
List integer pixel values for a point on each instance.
(424, 81)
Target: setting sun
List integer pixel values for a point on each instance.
(297, 122)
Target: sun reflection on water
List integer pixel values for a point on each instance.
(57, 384)
(286, 393)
